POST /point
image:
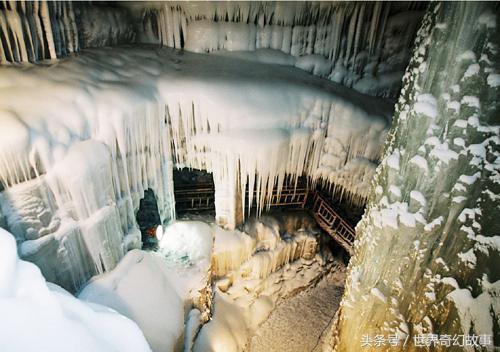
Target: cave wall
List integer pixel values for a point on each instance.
(64, 207)
(32, 31)
(427, 254)
(363, 45)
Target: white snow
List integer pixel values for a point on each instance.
(460, 123)
(458, 199)
(139, 289)
(420, 161)
(454, 105)
(472, 70)
(476, 311)
(38, 316)
(467, 55)
(469, 179)
(493, 80)
(459, 141)
(393, 160)
(95, 133)
(471, 101)
(488, 19)
(390, 213)
(469, 258)
(443, 153)
(419, 197)
(395, 190)
(426, 104)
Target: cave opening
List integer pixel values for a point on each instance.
(194, 192)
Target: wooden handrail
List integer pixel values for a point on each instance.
(201, 197)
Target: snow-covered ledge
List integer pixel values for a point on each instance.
(85, 136)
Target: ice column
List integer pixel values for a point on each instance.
(427, 253)
(32, 31)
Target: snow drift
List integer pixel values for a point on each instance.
(39, 316)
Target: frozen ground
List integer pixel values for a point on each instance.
(309, 313)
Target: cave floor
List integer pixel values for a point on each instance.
(299, 322)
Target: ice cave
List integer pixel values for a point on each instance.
(249, 176)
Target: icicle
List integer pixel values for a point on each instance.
(372, 34)
(46, 20)
(359, 28)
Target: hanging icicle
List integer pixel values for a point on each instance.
(28, 28)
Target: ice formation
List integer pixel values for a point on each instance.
(361, 45)
(140, 289)
(35, 30)
(39, 316)
(427, 250)
(276, 261)
(109, 124)
(163, 290)
(168, 293)
(364, 45)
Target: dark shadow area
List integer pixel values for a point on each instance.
(352, 213)
(194, 193)
(148, 219)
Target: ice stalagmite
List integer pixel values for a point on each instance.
(426, 260)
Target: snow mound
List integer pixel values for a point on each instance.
(140, 289)
(188, 241)
(39, 316)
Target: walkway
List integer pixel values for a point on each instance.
(201, 197)
(298, 323)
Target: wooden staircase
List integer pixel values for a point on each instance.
(332, 223)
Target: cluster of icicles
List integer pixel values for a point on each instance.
(240, 160)
(262, 253)
(89, 196)
(36, 30)
(254, 162)
(332, 30)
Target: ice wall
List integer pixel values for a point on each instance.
(36, 30)
(74, 181)
(39, 316)
(103, 25)
(427, 254)
(364, 45)
(82, 139)
(276, 257)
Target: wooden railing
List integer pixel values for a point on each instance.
(289, 196)
(331, 222)
(194, 198)
(201, 197)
